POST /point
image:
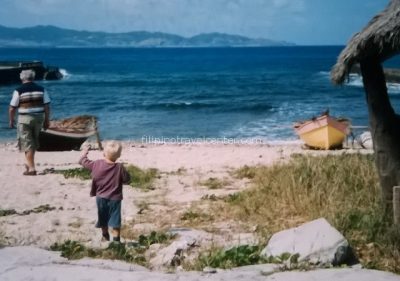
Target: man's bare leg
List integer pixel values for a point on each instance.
(30, 160)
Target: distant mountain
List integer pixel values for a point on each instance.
(51, 36)
(221, 39)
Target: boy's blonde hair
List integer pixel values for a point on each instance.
(112, 150)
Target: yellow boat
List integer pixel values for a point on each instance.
(323, 132)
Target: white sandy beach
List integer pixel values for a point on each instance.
(75, 212)
(182, 168)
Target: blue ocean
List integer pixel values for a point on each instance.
(195, 92)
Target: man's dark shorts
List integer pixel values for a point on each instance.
(109, 213)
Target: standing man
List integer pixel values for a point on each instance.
(32, 102)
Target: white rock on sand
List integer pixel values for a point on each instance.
(316, 241)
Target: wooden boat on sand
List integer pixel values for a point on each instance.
(68, 134)
(323, 132)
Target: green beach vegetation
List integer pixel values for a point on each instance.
(80, 173)
(2, 238)
(344, 189)
(129, 252)
(193, 217)
(214, 183)
(140, 178)
(217, 257)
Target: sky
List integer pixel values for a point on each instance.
(303, 22)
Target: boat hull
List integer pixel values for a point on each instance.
(10, 70)
(324, 132)
(51, 142)
(67, 134)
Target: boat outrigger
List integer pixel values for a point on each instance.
(10, 70)
(323, 132)
(68, 134)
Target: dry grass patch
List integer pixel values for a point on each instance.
(195, 218)
(215, 183)
(2, 238)
(344, 189)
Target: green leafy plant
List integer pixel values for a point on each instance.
(7, 212)
(70, 249)
(154, 238)
(80, 173)
(234, 257)
(130, 252)
(283, 257)
(40, 209)
(118, 251)
(143, 179)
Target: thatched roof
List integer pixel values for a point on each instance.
(380, 38)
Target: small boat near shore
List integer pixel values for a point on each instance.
(323, 132)
(10, 70)
(68, 134)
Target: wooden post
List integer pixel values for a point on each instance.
(97, 134)
(384, 126)
(396, 205)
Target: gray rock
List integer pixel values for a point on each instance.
(27, 263)
(316, 242)
(12, 257)
(174, 253)
(108, 264)
(344, 255)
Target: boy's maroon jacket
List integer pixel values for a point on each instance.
(107, 178)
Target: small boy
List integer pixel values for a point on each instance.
(107, 180)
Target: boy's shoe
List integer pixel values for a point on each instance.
(116, 239)
(105, 237)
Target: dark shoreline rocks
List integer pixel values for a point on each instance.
(392, 75)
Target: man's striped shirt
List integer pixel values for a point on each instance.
(29, 98)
